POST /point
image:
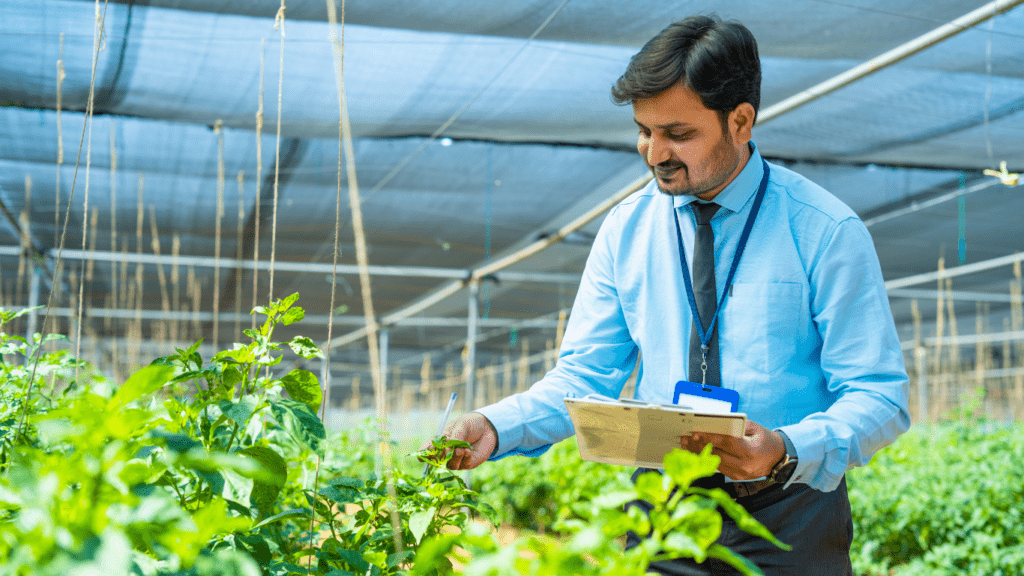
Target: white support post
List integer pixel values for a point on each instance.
(33, 301)
(473, 319)
(383, 339)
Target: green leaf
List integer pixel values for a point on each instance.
(302, 385)
(145, 381)
(340, 495)
(347, 481)
(420, 521)
(265, 491)
(744, 521)
(231, 375)
(744, 566)
(681, 544)
(685, 467)
(287, 302)
(286, 514)
(292, 316)
(306, 348)
(238, 412)
(296, 418)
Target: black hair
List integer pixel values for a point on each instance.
(716, 59)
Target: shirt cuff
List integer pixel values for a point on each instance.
(510, 433)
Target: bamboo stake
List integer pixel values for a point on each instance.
(980, 348)
(218, 130)
(25, 220)
(524, 366)
(940, 329)
(920, 364)
(175, 286)
(60, 143)
(355, 401)
(1017, 324)
(1010, 407)
(108, 323)
(165, 298)
(197, 297)
(563, 315)
(506, 379)
(139, 225)
(238, 250)
(425, 375)
(955, 366)
(94, 220)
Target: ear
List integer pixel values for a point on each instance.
(741, 122)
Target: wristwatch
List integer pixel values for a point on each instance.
(783, 469)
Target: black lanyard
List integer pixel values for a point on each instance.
(705, 336)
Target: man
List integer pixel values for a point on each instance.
(804, 333)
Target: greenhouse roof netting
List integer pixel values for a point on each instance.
(478, 128)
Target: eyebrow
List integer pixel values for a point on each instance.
(669, 126)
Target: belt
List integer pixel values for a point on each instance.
(747, 489)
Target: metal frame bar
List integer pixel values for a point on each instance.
(300, 267)
(889, 58)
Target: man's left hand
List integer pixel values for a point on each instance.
(746, 458)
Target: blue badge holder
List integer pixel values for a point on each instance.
(713, 392)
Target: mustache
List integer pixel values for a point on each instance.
(669, 166)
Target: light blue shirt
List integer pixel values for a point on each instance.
(806, 335)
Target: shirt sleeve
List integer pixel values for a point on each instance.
(597, 356)
(861, 360)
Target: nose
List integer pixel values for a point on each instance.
(654, 149)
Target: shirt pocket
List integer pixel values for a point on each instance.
(763, 324)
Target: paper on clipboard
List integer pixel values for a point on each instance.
(637, 433)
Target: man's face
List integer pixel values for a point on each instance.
(685, 144)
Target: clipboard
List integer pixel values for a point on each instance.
(637, 433)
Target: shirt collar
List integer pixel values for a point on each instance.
(738, 192)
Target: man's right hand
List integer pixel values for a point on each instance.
(476, 429)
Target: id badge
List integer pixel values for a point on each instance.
(710, 399)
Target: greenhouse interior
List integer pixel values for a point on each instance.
(429, 177)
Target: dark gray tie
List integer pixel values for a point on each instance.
(706, 295)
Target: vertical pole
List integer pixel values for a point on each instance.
(33, 301)
(471, 331)
(382, 407)
(921, 366)
(383, 338)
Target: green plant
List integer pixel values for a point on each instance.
(196, 467)
(943, 499)
(539, 493)
(685, 522)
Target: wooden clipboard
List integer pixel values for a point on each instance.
(637, 433)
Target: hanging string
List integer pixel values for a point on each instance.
(278, 24)
(259, 184)
(345, 147)
(97, 46)
(90, 109)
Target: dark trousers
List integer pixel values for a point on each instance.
(818, 526)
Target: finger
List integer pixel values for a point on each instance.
(730, 444)
(456, 461)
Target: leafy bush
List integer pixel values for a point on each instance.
(540, 493)
(197, 467)
(684, 523)
(942, 500)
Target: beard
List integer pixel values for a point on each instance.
(719, 167)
